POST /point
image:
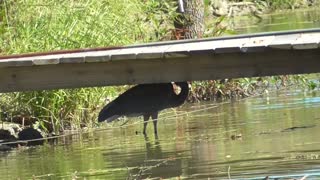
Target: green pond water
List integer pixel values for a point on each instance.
(275, 135)
(279, 138)
(280, 21)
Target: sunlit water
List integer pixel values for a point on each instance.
(280, 21)
(275, 136)
(279, 138)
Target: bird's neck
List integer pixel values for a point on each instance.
(182, 96)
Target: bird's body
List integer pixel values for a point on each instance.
(146, 100)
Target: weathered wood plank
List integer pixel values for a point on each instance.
(46, 61)
(95, 59)
(226, 57)
(257, 44)
(72, 58)
(176, 51)
(153, 52)
(99, 56)
(307, 41)
(126, 54)
(284, 41)
(231, 45)
(15, 63)
(204, 46)
(205, 66)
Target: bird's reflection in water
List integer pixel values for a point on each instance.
(156, 164)
(153, 151)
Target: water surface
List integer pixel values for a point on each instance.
(279, 138)
(278, 21)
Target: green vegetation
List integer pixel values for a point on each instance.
(46, 25)
(30, 26)
(244, 87)
(58, 109)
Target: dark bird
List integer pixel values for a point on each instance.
(146, 100)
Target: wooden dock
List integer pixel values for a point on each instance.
(291, 52)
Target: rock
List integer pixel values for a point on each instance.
(219, 8)
(231, 9)
(30, 134)
(6, 135)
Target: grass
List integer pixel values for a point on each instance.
(45, 25)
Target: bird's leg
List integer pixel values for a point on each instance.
(145, 122)
(155, 120)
